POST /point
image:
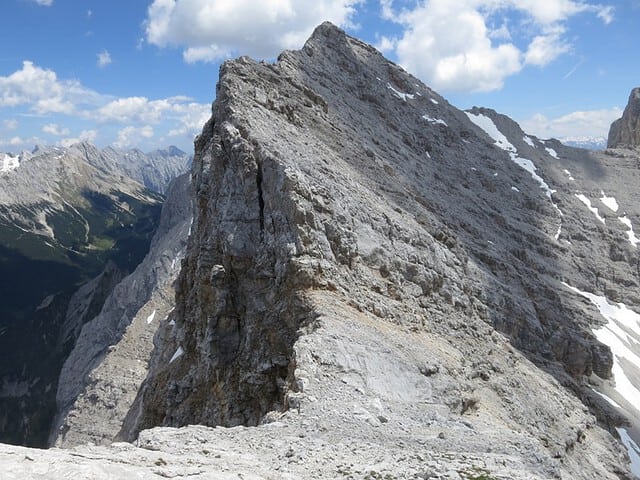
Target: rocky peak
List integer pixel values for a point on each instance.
(364, 253)
(625, 132)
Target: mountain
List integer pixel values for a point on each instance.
(379, 285)
(625, 132)
(66, 215)
(588, 143)
(155, 169)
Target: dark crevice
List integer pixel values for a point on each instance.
(260, 196)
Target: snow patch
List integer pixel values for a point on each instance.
(621, 334)
(609, 400)
(587, 202)
(151, 317)
(178, 354)
(551, 152)
(528, 141)
(403, 96)
(486, 124)
(435, 120)
(632, 449)
(8, 163)
(515, 189)
(434, 101)
(630, 233)
(568, 173)
(609, 202)
(531, 168)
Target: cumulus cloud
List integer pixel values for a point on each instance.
(19, 143)
(543, 49)
(130, 136)
(104, 58)
(143, 110)
(190, 119)
(590, 123)
(210, 30)
(54, 129)
(454, 46)
(85, 136)
(10, 124)
(42, 91)
(35, 91)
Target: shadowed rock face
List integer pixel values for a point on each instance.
(625, 132)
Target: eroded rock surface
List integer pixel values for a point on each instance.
(625, 132)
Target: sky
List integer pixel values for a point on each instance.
(142, 73)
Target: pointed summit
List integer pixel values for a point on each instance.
(626, 130)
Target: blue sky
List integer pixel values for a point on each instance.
(142, 73)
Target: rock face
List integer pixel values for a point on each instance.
(363, 254)
(103, 372)
(625, 132)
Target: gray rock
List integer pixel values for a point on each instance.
(352, 227)
(625, 132)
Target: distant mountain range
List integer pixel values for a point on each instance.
(589, 143)
(66, 215)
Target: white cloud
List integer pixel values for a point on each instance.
(130, 136)
(42, 91)
(215, 29)
(34, 92)
(19, 143)
(85, 136)
(191, 119)
(454, 46)
(544, 49)
(10, 124)
(54, 129)
(104, 58)
(44, 3)
(591, 123)
(143, 110)
(606, 14)
(386, 44)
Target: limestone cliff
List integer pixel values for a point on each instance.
(625, 132)
(367, 261)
